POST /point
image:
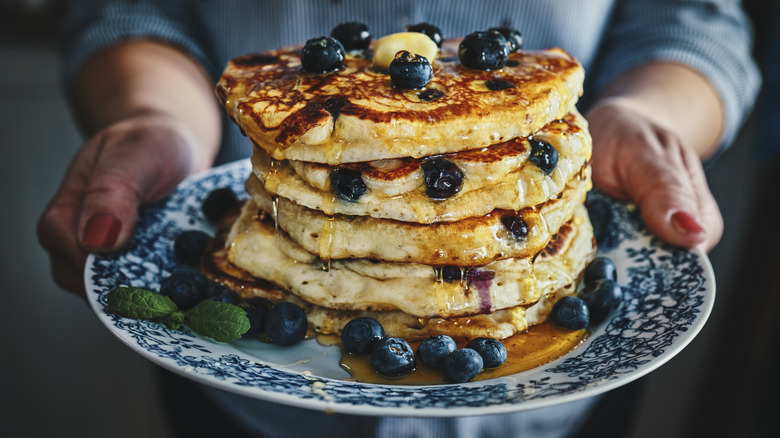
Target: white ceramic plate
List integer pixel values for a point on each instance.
(668, 296)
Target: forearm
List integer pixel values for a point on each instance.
(677, 99)
(145, 78)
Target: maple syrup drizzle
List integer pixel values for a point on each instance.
(539, 345)
(326, 242)
(275, 213)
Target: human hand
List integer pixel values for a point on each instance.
(636, 159)
(130, 163)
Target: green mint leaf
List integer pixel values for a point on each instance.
(222, 322)
(137, 303)
(175, 320)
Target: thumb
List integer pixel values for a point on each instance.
(133, 167)
(674, 199)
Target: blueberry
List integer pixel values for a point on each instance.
(452, 273)
(493, 351)
(516, 225)
(392, 357)
(442, 178)
(218, 292)
(189, 247)
(322, 55)
(570, 313)
(186, 287)
(543, 155)
(360, 334)
(286, 324)
(410, 71)
(430, 95)
(257, 315)
(513, 37)
(433, 350)
(603, 217)
(600, 268)
(347, 184)
(352, 35)
(602, 297)
(217, 203)
(433, 32)
(498, 84)
(462, 365)
(484, 50)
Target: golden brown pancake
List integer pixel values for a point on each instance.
(467, 242)
(495, 177)
(257, 247)
(356, 114)
(489, 304)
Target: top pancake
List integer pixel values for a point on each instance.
(355, 114)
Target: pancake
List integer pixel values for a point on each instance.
(571, 246)
(257, 247)
(495, 177)
(357, 115)
(467, 242)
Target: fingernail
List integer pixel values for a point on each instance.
(101, 231)
(686, 223)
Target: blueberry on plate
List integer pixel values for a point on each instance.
(410, 71)
(443, 178)
(462, 365)
(322, 55)
(352, 35)
(218, 292)
(256, 315)
(484, 50)
(603, 218)
(600, 268)
(602, 297)
(347, 184)
(493, 351)
(433, 350)
(543, 155)
(513, 37)
(360, 334)
(516, 225)
(433, 32)
(570, 313)
(217, 203)
(189, 246)
(392, 357)
(286, 324)
(185, 287)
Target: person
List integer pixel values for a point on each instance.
(668, 85)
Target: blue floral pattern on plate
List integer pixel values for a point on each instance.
(668, 292)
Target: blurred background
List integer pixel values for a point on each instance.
(63, 373)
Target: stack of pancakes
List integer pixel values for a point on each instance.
(488, 259)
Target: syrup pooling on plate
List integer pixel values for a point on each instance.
(540, 345)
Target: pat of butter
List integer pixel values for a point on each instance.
(417, 43)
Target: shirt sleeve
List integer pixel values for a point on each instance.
(90, 26)
(713, 37)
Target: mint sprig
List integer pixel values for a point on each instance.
(137, 303)
(222, 322)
